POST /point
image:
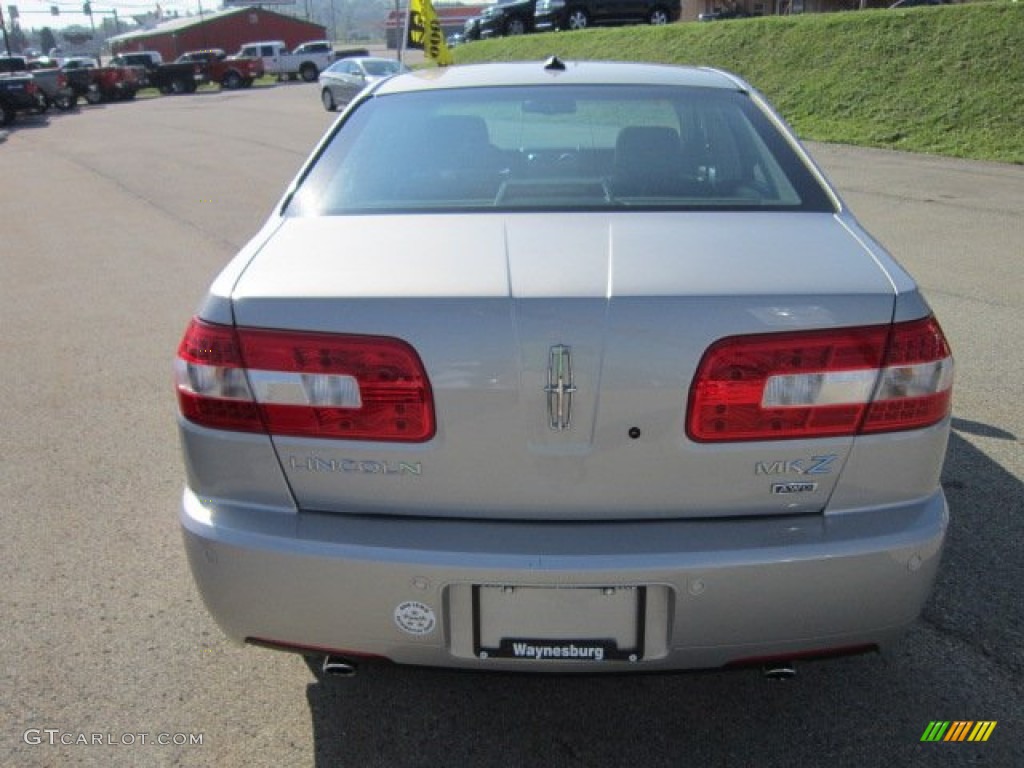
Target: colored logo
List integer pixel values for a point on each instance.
(958, 730)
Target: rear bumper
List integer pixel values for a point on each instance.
(21, 101)
(717, 592)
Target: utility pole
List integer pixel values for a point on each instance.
(87, 10)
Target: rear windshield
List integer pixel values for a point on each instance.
(557, 148)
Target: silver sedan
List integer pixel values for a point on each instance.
(345, 78)
(563, 367)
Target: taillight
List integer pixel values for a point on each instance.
(915, 388)
(303, 384)
(822, 383)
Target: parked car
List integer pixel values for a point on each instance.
(96, 84)
(307, 61)
(152, 72)
(507, 17)
(345, 78)
(231, 72)
(78, 72)
(19, 93)
(580, 14)
(78, 62)
(53, 83)
(624, 386)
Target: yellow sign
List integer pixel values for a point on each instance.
(425, 32)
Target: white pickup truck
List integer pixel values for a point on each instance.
(307, 61)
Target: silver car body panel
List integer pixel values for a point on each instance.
(397, 549)
(718, 592)
(636, 297)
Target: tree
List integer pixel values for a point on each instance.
(47, 41)
(18, 39)
(76, 35)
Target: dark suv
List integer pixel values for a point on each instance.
(579, 14)
(507, 17)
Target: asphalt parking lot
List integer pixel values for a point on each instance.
(112, 222)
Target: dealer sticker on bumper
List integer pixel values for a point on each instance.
(415, 618)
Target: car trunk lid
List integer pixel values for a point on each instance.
(560, 352)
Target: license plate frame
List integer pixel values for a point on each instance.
(559, 623)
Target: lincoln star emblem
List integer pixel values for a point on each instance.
(560, 387)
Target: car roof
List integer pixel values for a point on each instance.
(566, 73)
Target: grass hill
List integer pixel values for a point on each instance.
(943, 79)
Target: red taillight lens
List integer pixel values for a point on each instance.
(821, 383)
(916, 385)
(304, 384)
(211, 382)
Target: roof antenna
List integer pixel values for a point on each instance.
(554, 64)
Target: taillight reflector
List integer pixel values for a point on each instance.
(303, 384)
(822, 383)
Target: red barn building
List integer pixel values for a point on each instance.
(229, 29)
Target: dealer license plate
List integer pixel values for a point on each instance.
(558, 623)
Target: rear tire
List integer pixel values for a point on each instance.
(93, 96)
(232, 80)
(309, 73)
(179, 86)
(66, 101)
(6, 114)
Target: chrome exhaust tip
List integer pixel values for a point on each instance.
(336, 666)
(781, 670)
